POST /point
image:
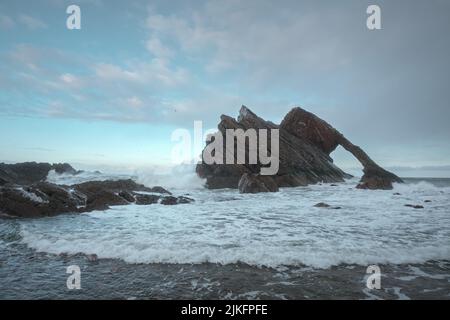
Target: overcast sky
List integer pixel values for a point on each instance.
(113, 92)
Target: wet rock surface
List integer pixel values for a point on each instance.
(322, 205)
(31, 172)
(414, 206)
(20, 198)
(326, 205)
(254, 183)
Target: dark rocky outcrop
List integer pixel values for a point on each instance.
(168, 201)
(90, 188)
(40, 200)
(102, 194)
(326, 205)
(305, 145)
(92, 257)
(3, 182)
(322, 205)
(415, 206)
(146, 199)
(158, 189)
(254, 183)
(44, 199)
(28, 173)
(66, 168)
(184, 200)
(128, 196)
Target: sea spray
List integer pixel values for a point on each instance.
(180, 177)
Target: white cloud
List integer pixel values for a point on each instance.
(269, 40)
(6, 22)
(217, 55)
(157, 73)
(70, 80)
(31, 23)
(129, 92)
(134, 102)
(110, 72)
(26, 55)
(159, 50)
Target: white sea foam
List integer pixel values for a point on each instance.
(182, 177)
(32, 196)
(84, 176)
(398, 292)
(276, 229)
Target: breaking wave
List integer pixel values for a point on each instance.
(182, 177)
(272, 230)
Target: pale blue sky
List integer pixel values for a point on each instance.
(112, 92)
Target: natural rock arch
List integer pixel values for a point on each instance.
(306, 142)
(308, 126)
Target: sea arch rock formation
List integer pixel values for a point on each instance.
(305, 144)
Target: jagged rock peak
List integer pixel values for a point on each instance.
(245, 112)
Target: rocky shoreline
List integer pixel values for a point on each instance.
(25, 193)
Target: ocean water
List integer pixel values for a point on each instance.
(228, 245)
